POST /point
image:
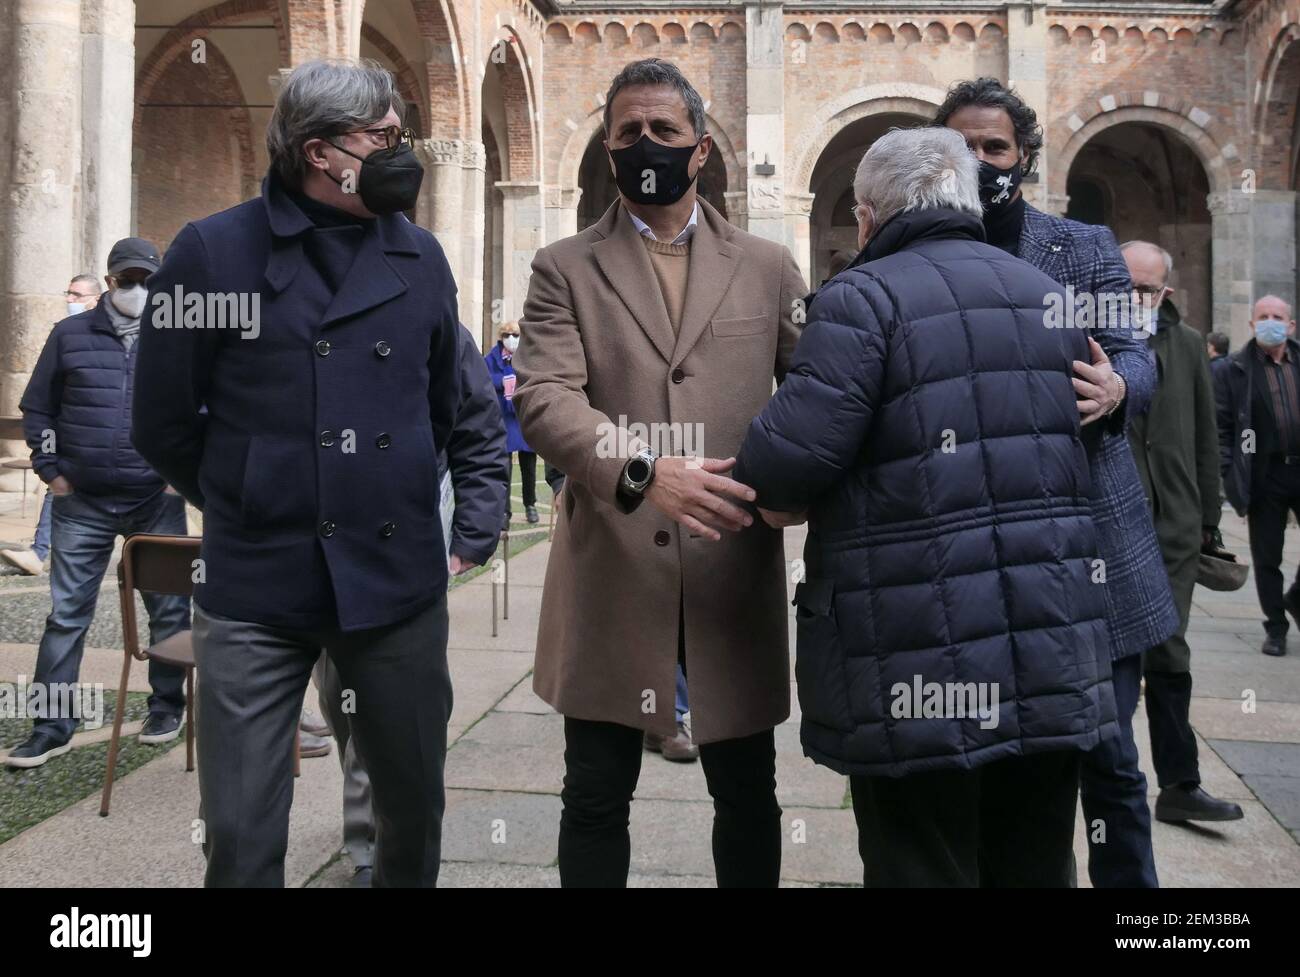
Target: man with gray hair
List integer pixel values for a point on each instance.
(309, 435)
(952, 650)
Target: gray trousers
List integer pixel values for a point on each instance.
(358, 813)
(252, 679)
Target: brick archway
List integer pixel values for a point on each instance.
(187, 164)
(1277, 112)
(839, 113)
(1150, 108)
(522, 114)
(408, 83)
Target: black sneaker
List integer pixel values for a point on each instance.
(39, 747)
(1275, 645)
(160, 727)
(531, 512)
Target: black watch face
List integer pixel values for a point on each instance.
(638, 470)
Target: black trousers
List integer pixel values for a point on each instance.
(1272, 497)
(527, 475)
(602, 765)
(1169, 688)
(1007, 824)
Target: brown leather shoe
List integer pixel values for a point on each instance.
(678, 749)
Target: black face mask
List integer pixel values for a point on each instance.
(390, 179)
(646, 163)
(997, 187)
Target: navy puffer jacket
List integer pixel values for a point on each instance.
(81, 390)
(948, 616)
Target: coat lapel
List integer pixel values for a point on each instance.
(372, 280)
(713, 264)
(1039, 245)
(626, 266)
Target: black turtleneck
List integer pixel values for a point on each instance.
(322, 214)
(333, 244)
(1002, 225)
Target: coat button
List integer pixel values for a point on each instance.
(323, 347)
(327, 439)
(382, 348)
(662, 538)
(387, 529)
(383, 441)
(327, 528)
(678, 375)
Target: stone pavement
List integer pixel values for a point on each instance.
(504, 769)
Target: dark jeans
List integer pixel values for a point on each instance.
(83, 532)
(602, 765)
(1273, 496)
(251, 682)
(41, 542)
(527, 476)
(1114, 791)
(1007, 824)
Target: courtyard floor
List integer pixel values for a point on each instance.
(505, 765)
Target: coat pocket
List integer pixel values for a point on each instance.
(819, 657)
(748, 326)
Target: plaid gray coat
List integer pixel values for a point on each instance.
(1139, 607)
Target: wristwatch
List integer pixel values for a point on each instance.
(638, 473)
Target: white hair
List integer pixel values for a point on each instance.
(916, 169)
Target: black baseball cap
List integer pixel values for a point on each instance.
(133, 252)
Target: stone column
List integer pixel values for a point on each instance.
(765, 120)
(39, 236)
(798, 217)
(521, 236)
(105, 211)
(1253, 253)
(446, 202)
(1027, 73)
(737, 208)
(562, 212)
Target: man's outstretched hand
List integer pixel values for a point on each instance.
(696, 493)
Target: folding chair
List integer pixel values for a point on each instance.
(154, 564)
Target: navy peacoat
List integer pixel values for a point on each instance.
(307, 427)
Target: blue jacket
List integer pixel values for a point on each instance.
(477, 458)
(310, 440)
(1140, 609)
(500, 368)
(928, 423)
(81, 391)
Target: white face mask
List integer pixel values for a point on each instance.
(130, 300)
(512, 343)
(76, 308)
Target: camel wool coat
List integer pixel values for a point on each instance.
(601, 371)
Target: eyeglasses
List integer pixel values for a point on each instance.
(390, 136)
(857, 211)
(1148, 291)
